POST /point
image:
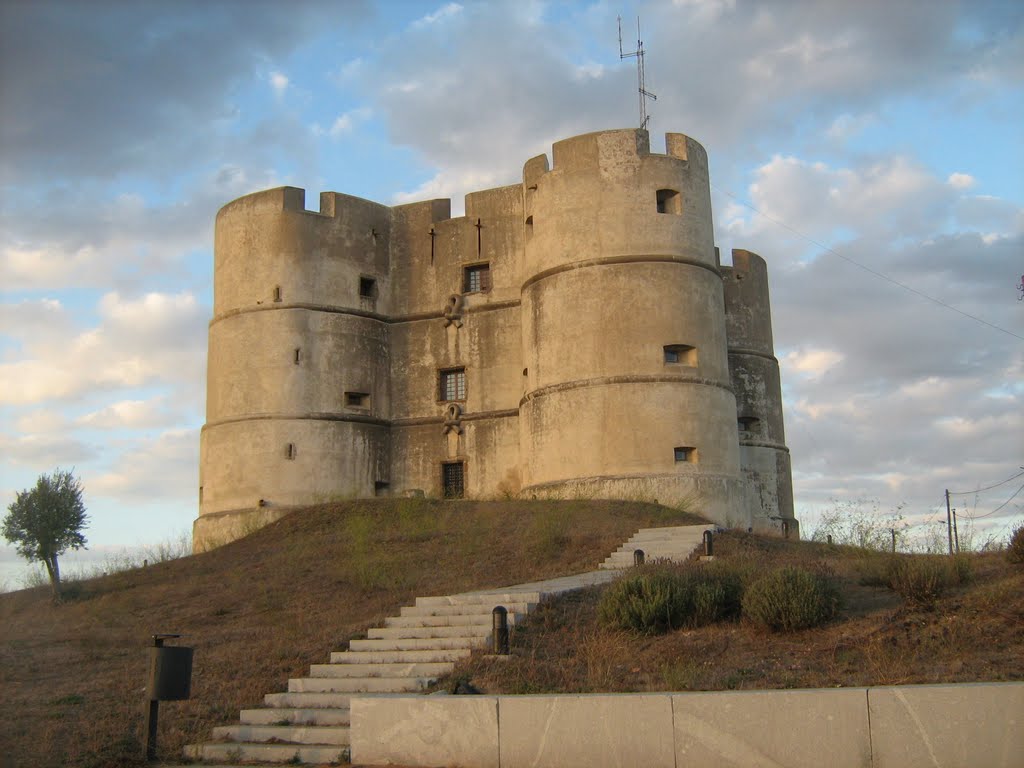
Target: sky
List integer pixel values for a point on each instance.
(870, 151)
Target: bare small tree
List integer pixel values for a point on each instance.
(47, 520)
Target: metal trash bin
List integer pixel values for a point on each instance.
(170, 673)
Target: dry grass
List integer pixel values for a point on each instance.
(972, 632)
(262, 609)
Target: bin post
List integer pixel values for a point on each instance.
(170, 676)
(709, 547)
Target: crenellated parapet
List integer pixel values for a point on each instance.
(565, 335)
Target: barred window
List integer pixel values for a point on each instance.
(477, 278)
(453, 384)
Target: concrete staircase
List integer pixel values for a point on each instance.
(674, 544)
(309, 723)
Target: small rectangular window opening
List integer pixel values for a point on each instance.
(357, 400)
(453, 480)
(298, 355)
(200, 494)
(381, 488)
(367, 288)
(453, 384)
(289, 451)
(687, 454)
(680, 354)
(277, 293)
(749, 424)
(669, 201)
(476, 278)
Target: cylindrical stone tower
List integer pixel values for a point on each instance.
(764, 457)
(627, 389)
(297, 375)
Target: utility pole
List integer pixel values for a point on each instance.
(956, 536)
(949, 523)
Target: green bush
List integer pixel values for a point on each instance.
(1015, 551)
(921, 579)
(789, 599)
(661, 597)
(649, 601)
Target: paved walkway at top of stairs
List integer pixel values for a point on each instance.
(309, 723)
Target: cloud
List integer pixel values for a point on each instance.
(165, 467)
(279, 82)
(138, 79)
(444, 12)
(960, 180)
(138, 342)
(131, 414)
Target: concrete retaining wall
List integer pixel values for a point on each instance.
(979, 725)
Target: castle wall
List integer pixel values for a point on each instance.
(582, 308)
(611, 282)
(754, 371)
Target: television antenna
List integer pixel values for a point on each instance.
(640, 79)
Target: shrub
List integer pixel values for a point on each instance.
(661, 597)
(789, 599)
(921, 579)
(649, 602)
(1015, 551)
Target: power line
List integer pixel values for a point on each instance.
(989, 514)
(866, 268)
(986, 488)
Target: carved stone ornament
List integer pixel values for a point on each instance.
(453, 419)
(453, 311)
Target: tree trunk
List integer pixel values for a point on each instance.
(53, 569)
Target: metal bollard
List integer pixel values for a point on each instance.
(638, 557)
(709, 547)
(785, 529)
(499, 631)
(829, 539)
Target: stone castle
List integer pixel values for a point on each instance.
(572, 335)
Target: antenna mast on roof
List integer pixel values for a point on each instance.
(641, 83)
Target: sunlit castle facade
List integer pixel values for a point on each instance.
(571, 335)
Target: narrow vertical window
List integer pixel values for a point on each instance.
(453, 480)
(277, 293)
(289, 451)
(298, 356)
(453, 384)
(476, 278)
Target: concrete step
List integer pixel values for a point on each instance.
(459, 620)
(291, 734)
(416, 656)
(357, 684)
(463, 630)
(427, 669)
(480, 598)
(471, 609)
(295, 716)
(235, 752)
(416, 644)
(290, 700)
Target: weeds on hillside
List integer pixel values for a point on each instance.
(1015, 550)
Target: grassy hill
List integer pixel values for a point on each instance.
(261, 610)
